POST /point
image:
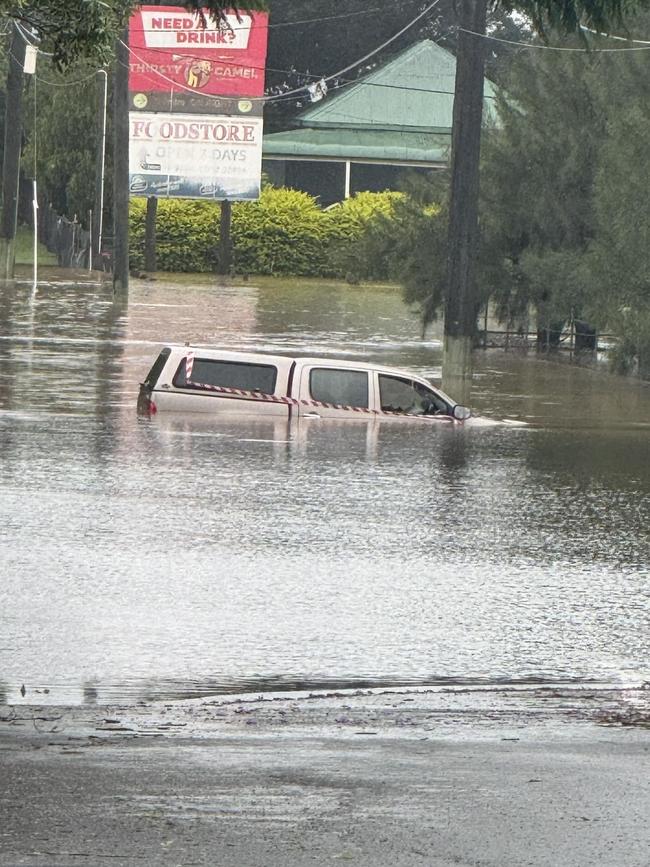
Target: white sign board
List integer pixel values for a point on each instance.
(195, 156)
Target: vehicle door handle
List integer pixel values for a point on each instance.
(311, 415)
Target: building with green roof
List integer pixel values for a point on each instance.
(398, 116)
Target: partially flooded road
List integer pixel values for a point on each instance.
(169, 557)
(496, 778)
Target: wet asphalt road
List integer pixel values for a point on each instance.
(464, 778)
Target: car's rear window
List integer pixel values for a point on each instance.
(228, 374)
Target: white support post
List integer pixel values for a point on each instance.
(348, 173)
(35, 207)
(90, 239)
(102, 160)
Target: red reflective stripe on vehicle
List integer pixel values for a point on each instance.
(189, 365)
(262, 397)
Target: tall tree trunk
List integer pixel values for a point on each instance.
(121, 169)
(460, 299)
(12, 146)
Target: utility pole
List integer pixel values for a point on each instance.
(12, 147)
(463, 238)
(121, 168)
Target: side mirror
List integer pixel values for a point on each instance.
(462, 412)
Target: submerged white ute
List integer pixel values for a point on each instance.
(194, 379)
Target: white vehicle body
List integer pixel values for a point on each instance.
(196, 380)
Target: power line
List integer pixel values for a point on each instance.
(70, 83)
(613, 36)
(536, 46)
(75, 83)
(363, 83)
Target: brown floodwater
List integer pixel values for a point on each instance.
(151, 558)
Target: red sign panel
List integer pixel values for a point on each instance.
(173, 49)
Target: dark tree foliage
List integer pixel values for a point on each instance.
(567, 16)
(565, 214)
(537, 184)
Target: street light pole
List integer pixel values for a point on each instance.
(121, 168)
(100, 168)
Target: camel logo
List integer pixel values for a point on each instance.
(197, 73)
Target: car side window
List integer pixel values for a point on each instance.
(404, 395)
(228, 374)
(341, 387)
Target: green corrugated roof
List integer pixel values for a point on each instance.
(399, 113)
(415, 89)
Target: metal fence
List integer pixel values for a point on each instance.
(67, 239)
(576, 339)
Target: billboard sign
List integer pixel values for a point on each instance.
(176, 50)
(195, 156)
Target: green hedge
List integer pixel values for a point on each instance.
(187, 234)
(284, 233)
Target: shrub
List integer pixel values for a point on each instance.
(350, 217)
(350, 222)
(187, 233)
(284, 233)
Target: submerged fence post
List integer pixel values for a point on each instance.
(90, 239)
(485, 324)
(150, 252)
(225, 246)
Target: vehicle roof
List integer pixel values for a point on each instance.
(217, 352)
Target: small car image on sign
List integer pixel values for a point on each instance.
(138, 184)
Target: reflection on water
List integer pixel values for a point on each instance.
(174, 556)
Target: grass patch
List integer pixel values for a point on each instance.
(25, 249)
